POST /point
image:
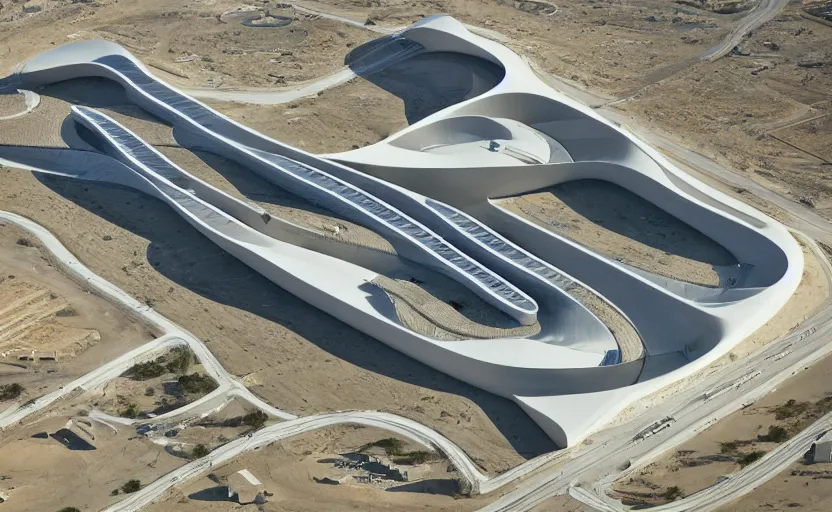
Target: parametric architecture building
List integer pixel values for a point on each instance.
(570, 335)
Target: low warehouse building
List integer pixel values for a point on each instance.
(823, 448)
(246, 488)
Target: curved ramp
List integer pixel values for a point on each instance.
(684, 327)
(415, 241)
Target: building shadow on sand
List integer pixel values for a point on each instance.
(426, 82)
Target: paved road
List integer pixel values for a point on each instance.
(729, 489)
(763, 12)
(274, 96)
(614, 449)
(600, 462)
(229, 386)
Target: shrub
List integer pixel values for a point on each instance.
(750, 458)
(146, 371)
(69, 509)
(730, 446)
(255, 419)
(790, 409)
(417, 457)
(776, 434)
(149, 392)
(180, 362)
(10, 391)
(200, 451)
(132, 412)
(25, 242)
(673, 493)
(196, 383)
(131, 486)
(391, 445)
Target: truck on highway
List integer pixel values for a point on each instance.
(654, 428)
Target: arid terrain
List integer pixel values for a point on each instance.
(294, 472)
(762, 111)
(51, 330)
(624, 227)
(85, 462)
(741, 438)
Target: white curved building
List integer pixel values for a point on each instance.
(430, 189)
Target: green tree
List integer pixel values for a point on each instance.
(750, 458)
(200, 451)
(673, 493)
(11, 391)
(255, 419)
(196, 383)
(131, 486)
(776, 434)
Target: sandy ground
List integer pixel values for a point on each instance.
(562, 504)
(11, 104)
(288, 469)
(79, 478)
(751, 102)
(813, 136)
(614, 46)
(157, 395)
(301, 360)
(42, 127)
(42, 310)
(624, 227)
(189, 41)
(794, 489)
(215, 429)
(329, 122)
(699, 462)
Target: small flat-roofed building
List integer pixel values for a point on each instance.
(823, 448)
(246, 488)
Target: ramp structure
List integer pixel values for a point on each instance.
(580, 334)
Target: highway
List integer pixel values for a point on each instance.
(611, 449)
(614, 449)
(229, 387)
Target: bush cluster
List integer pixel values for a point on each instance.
(395, 448)
(196, 383)
(10, 391)
(673, 493)
(177, 361)
(255, 419)
(750, 458)
(200, 451)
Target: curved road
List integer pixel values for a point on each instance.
(587, 462)
(229, 387)
(763, 12)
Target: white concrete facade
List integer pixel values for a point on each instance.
(823, 448)
(430, 187)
